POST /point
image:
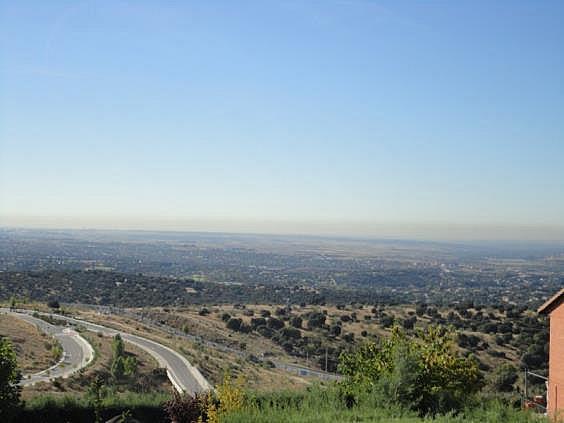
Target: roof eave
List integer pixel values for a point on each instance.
(552, 303)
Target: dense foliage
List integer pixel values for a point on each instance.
(423, 374)
(9, 379)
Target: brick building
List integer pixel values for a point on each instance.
(554, 309)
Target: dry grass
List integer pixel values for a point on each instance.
(33, 347)
(212, 363)
(145, 380)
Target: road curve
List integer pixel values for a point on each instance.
(181, 373)
(77, 352)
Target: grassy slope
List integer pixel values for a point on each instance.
(33, 347)
(319, 405)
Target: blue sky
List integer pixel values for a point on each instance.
(269, 114)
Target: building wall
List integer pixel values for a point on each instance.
(556, 364)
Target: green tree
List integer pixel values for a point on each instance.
(9, 379)
(316, 320)
(424, 374)
(130, 366)
(234, 324)
(118, 368)
(503, 378)
(95, 394)
(296, 322)
(54, 304)
(118, 348)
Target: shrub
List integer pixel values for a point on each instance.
(435, 378)
(257, 321)
(503, 378)
(9, 379)
(184, 408)
(296, 322)
(274, 323)
(291, 333)
(316, 320)
(335, 330)
(234, 324)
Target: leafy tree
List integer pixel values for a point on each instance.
(54, 304)
(118, 368)
(130, 366)
(118, 348)
(257, 321)
(316, 320)
(95, 394)
(438, 379)
(245, 328)
(386, 321)
(409, 323)
(348, 337)
(9, 379)
(234, 324)
(503, 378)
(291, 332)
(335, 330)
(420, 310)
(274, 323)
(296, 322)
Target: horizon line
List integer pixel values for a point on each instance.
(423, 231)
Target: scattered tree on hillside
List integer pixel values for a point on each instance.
(54, 304)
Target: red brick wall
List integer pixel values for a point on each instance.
(556, 364)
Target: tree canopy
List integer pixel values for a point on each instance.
(423, 373)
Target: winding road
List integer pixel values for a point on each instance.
(77, 352)
(181, 373)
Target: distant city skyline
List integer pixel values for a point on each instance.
(438, 120)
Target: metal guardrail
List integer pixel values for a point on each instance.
(525, 401)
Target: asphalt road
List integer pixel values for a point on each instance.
(77, 352)
(181, 373)
(289, 367)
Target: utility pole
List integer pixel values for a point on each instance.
(526, 384)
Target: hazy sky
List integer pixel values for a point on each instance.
(349, 113)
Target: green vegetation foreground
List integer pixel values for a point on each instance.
(401, 379)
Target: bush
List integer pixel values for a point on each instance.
(54, 304)
(335, 330)
(257, 321)
(9, 379)
(291, 333)
(184, 408)
(503, 378)
(432, 380)
(296, 322)
(316, 320)
(234, 324)
(274, 323)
